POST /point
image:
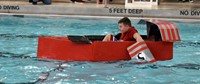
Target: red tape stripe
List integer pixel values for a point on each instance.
(136, 52)
(135, 46)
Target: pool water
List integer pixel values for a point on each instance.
(19, 62)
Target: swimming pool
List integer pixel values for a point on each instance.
(18, 62)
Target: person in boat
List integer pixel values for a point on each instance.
(128, 32)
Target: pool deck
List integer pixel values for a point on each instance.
(164, 10)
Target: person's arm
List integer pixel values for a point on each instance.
(108, 37)
(137, 37)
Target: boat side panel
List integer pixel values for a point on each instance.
(161, 50)
(63, 49)
(109, 51)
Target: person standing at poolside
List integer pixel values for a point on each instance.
(128, 32)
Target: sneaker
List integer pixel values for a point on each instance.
(30, 1)
(79, 1)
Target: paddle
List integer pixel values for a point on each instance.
(79, 39)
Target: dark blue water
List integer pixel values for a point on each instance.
(19, 62)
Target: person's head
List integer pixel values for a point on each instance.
(124, 24)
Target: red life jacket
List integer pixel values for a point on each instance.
(128, 36)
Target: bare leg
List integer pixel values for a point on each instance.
(108, 37)
(97, 1)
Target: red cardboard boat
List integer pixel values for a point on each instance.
(159, 39)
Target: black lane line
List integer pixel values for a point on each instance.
(13, 55)
(45, 75)
(19, 36)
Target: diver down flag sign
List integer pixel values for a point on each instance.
(140, 53)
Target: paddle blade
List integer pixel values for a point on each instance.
(79, 39)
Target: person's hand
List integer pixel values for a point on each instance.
(121, 40)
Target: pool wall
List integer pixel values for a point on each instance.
(94, 10)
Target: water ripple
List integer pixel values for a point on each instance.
(19, 36)
(14, 55)
(190, 66)
(187, 43)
